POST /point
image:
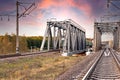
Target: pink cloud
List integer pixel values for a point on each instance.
(39, 16)
(81, 5)
(86, 8)
(45, 4)
(62, 10)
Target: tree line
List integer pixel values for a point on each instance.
(8, 43)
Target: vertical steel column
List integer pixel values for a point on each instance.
(99, 39)
(76, 39)
(49, 37)
(72, 36)
(95, 37)
(84, 41)
(48, 46)
(114, 40)
(65, 32)
(117, 39)
(60, 37)
(68, 34)
(80, 40)
(44, 38)
(119, 35)
(54, 31)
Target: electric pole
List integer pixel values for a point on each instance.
(17, 28)
(26, 12)
(18, 15)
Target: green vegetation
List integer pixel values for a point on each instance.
(89, 42)
(8, 43)
(34, 41)
(37, 67)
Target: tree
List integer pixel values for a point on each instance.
(23, 44)
(6, 44)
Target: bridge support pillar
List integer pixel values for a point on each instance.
(97, 38)
(116, 39)
(118, 36)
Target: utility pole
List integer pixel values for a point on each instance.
(18, 15)
(17, 27)
(26, 12)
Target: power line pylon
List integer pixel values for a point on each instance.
(27, 11)
(18, 16)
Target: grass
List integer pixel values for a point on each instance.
(37, 67)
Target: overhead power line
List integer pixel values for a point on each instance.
(18, 16)
(27, 11)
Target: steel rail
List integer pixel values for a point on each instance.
(116, 58)
(18, 55)
(93, 67)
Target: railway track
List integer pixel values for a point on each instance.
(26, 54)
(106, 67)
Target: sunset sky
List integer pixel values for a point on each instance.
(84, 12)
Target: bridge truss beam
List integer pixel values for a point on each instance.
(97, 38)
(65, 35)
(102, 27)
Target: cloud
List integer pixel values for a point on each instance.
(81, 11)
(82, 5)
(78, 10)
(50, 4)
(59, 8)
(97, 7)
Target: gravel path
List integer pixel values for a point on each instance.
(79, 69)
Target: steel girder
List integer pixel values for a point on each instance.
(105, 27)
(65, 35)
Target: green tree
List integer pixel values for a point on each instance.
(23, 44)
(13, 41)
(6, 44)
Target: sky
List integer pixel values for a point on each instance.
(83, 12)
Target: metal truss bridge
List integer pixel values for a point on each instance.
(106, 27)
(65, 35)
